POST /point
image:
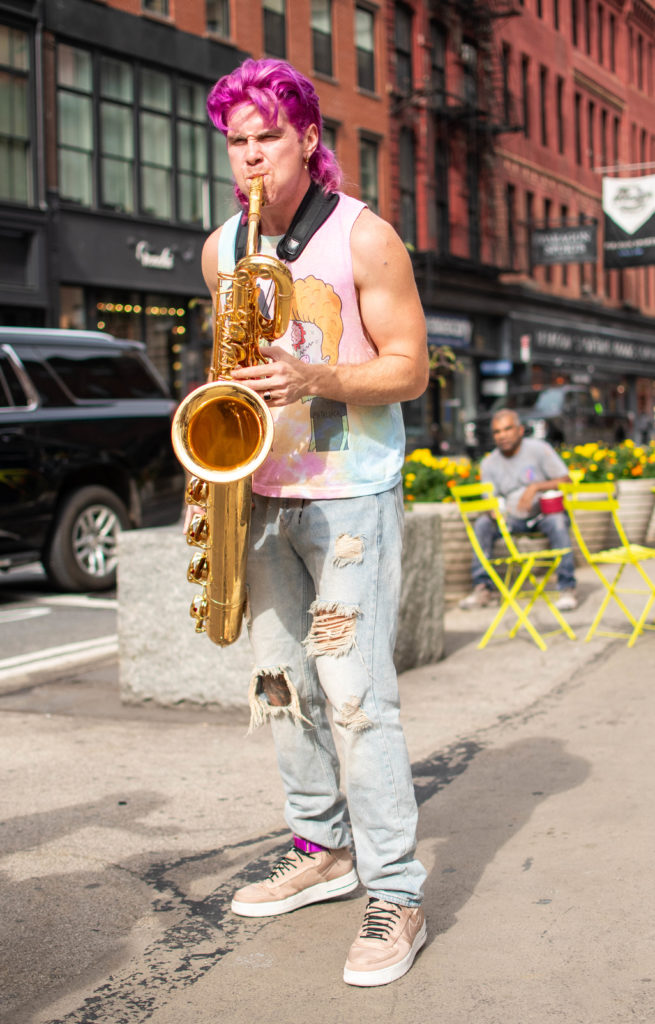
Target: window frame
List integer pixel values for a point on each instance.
(27, 143)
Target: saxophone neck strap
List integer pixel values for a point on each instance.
(313, 211)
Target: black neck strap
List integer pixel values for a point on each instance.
(313, 211)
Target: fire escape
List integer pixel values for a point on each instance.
(465, 111)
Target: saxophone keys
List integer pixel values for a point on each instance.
(198, 568)
(198, 611)
(196, 492)
(198, 531)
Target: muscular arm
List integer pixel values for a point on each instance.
(392, 316)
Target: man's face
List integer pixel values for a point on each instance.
(273, 152)
(507, 433)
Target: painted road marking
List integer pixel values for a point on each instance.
(58, 658)
(20, 614)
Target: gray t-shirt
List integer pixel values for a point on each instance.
(534, 460)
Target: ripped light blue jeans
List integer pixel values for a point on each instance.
(324, 588)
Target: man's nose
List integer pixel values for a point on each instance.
(253, 150)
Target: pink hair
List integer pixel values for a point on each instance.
(268, 85)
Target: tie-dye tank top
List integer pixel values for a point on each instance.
(323, 448)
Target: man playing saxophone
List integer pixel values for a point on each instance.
(326, 531)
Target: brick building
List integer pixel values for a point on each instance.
(506, 115)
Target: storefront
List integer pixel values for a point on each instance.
(137, 281)
(616, 362)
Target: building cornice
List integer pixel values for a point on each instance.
(598, 90)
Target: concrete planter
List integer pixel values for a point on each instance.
(163, 660)
(457, 552)
(636, 503)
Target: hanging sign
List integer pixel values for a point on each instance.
(629, 214)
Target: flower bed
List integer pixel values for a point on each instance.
(595, 463)
(428, 477)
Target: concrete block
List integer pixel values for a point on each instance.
(162, 659)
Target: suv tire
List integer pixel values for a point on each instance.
(82, 552)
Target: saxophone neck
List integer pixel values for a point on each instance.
(255, 200)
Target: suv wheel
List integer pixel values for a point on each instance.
(82, 553)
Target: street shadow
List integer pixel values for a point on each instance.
(485, 806)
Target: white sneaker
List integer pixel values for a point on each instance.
(567, 601)
(480, 597)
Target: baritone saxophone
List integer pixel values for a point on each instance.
(223, 431)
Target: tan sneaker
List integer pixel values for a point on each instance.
(385, 948)
(297, 879)
(480, 597)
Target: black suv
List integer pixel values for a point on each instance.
(85, 451)
(561, 415)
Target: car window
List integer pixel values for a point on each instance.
(90, 375)
(11, 390)
(48, 389)
(549, 402)
(516, 400)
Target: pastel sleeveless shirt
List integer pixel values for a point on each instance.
(323, 448)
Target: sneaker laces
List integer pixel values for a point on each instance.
(379, 920)
(289, 862)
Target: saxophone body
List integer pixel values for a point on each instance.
(223, 431)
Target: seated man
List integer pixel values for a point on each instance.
(520, 469)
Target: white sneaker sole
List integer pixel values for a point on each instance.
(314, 894)
(366, 979)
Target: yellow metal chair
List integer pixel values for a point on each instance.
(580, 498)
(514, 574)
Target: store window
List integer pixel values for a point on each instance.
(157, 7)
(155, 135)
(365, 48)
(75, 124)
(192, 153)
(275, 29)
(16, 183)
(116, 135)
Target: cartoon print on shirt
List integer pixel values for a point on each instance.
(316, 329)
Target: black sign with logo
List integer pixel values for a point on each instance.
(564, 245)
(629, 208)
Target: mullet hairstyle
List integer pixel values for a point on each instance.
(268, 85)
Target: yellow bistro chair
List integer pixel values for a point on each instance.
(513, 574)
(579, 498)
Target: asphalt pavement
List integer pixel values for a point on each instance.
(125, 830)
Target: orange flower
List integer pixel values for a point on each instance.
(637, 470)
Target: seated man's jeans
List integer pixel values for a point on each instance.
(554, 526)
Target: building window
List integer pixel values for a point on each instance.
(543, 104)
(616, 129)
(525, 95)
(368, 173)
(603, 138)
(529, 221)
(506, 61)
(275, 27)
(192, 164)
(322, 36)
(548, 205)
(403, 49)
(564, 218)
(155, 136)
(556, 14)
(116, 135)
(560, 114)
(365, 48)
(156, 6)
(438, 40)
(329, 136)
(441, 184)
(224, 202)
(407, 169)
(217, 14)
(577, 114)
(591, 133)
(600, 14)
(510, 208)
(587, 25)
(611, 36)
(15, 146)
(540, 9)
(574, 22)
(640, 62)
(469, 58)
(75, 124)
